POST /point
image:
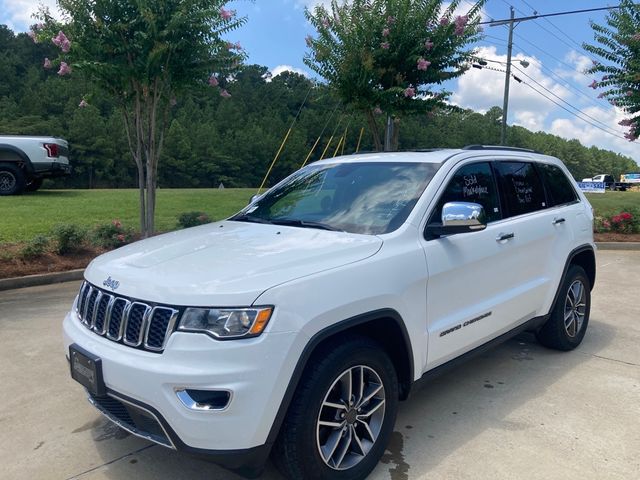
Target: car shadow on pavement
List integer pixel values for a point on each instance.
(433, 424)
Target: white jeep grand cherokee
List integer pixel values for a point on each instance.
(296, 326)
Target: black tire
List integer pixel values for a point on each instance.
(297, 452)
(33, 185)
(11, 179)
(561, 334)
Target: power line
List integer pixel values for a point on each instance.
(606, 130)
(533, 17)
(563, 81)
(559, 30)
(572, 113)
(566, 102)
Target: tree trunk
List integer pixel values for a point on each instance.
(395, 138)
(373, 125)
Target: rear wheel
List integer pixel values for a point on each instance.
(33, 185)
(11, 180)
(342, 415)
(568, 321)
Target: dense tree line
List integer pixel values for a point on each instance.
(213, 140)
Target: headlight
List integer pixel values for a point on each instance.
(226, 323)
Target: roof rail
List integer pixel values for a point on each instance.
(499, 147)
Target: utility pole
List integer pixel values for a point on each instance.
(505, 105)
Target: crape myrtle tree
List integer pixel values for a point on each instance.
(618, 45)
(386, 57)
(143, 54)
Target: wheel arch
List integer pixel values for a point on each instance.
(12, 154)
(384, 326)
(583, 256)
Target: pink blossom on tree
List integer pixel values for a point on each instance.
(601, 95)
(325, 23)
(47, 63)
(377, 111)
(410, 92)
(64, 69)
(444, 21)
(60, 39)
(309, 40)
(226, 14)
(384, 45)
(213, 81)
(626, 122)
(33, 36)
(391, 20)
(385, 32)
(66, 46)
(593, 85)
(423, 64)
(83, 104)
(224, 93)
(629, 93)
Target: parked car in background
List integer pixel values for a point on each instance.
(626, 181)
(296, 326)
(26, 161)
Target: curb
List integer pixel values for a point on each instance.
(618, 245)
(42, 279)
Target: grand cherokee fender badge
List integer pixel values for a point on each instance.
(112, 284)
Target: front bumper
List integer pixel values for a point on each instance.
(255, 370)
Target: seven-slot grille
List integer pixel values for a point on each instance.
(133, 323)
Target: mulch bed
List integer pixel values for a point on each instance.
(12, 266)
(617, 237)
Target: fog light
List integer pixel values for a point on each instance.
(204, 399)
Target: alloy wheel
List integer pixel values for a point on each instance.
(350, 418)
(575, 308)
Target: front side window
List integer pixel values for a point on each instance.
(362, 197)
(558, 185)
(472, 183)
(522, 188)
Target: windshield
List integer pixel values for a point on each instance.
(369, 198)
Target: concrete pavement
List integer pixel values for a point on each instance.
(518, 411)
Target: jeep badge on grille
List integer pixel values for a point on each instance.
(112, 284)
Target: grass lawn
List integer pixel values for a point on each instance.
(24, 216)
(612, 203)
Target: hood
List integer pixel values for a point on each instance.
(225, 263)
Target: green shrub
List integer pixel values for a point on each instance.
(68, 238)
(110, 235)
(34, 248)
(192, 219)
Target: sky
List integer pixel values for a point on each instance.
(275, 32)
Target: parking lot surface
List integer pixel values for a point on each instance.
(518, 411)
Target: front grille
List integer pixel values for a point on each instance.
(136, 324)
(132, 418)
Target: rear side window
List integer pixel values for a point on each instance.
(472, 183)
(558, 185)
(522, 187)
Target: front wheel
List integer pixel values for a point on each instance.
(569, 318)
(339, 422)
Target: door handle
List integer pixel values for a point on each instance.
(504, 236)
(557, 221)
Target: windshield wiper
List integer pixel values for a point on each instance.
(249, 218)
(305, 224)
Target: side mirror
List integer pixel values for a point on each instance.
(254, 198)
(459, 217)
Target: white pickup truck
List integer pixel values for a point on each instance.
(25, 161)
